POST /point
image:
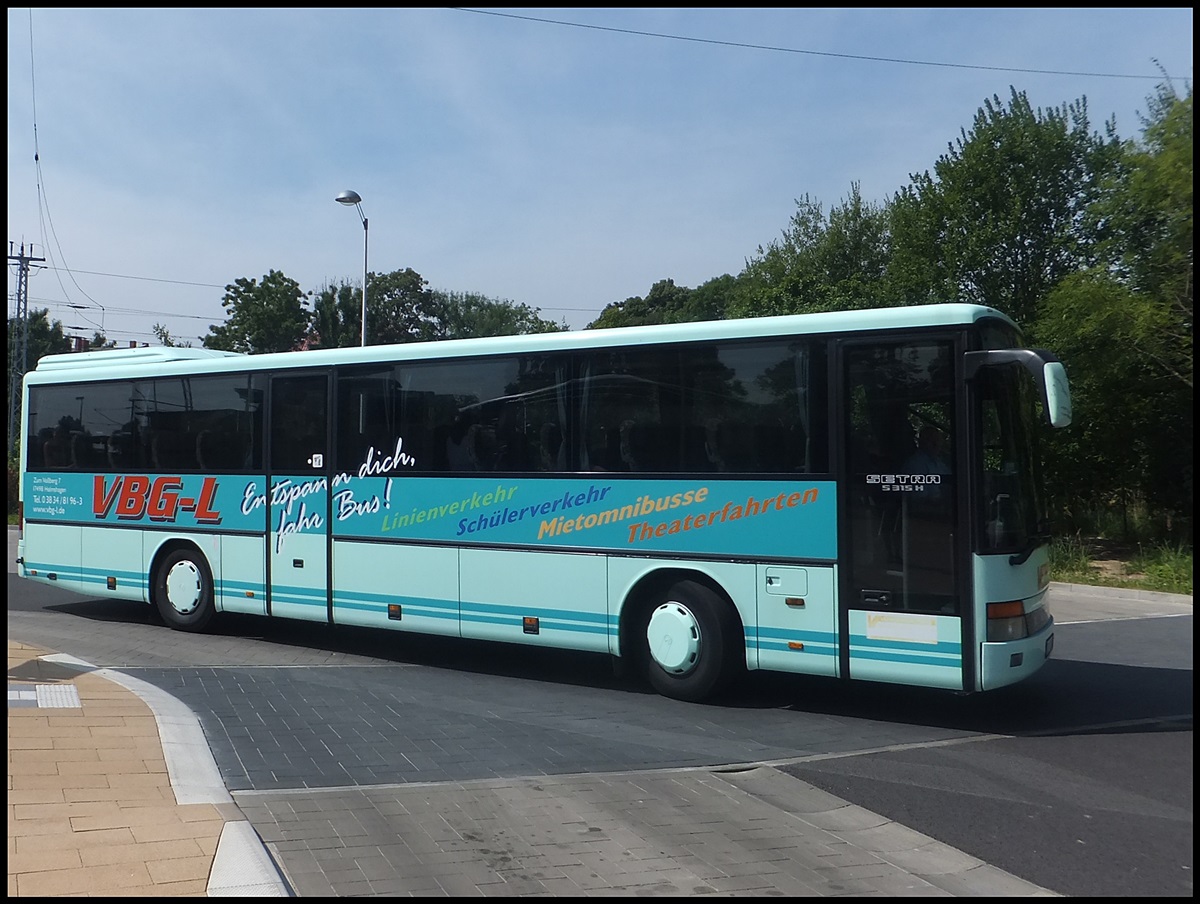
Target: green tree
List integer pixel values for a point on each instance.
(713, 298)
(821, 263)
(43, 337)
(1124, 329)
(669, 303)
(337, 317)
(165, 338)
(401, 308)
(998, 222)
(467, 315)
(1087, 320)
(1148, 235)
(664, 303)
(262, 317)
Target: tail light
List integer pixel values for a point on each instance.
(1010, 621)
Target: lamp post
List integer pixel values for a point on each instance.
(352, 199)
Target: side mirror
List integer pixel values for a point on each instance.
(1057, 394)
(1046, 370)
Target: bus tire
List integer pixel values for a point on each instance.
(183, 590)
(689, 642)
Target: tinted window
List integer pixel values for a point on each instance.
(462, 416)
(69, 425)
(209, 423)
(748, 408)
(760, 407)
(738, 408)
(299, 424)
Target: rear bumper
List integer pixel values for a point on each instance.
(1007, 663)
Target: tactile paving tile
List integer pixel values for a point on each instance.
(58, 696)
(47, 696)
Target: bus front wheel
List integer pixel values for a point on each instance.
(689, 636)
(183, 590)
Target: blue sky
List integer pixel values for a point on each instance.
(500, 151)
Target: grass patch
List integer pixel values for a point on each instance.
(1167, 568)
(1102, 563)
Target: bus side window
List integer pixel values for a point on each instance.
(512, 447)
(219, 449)
(604, 449)
(771, 445)
(551, 452)
(639, 446)
(298, 425)
(732, 445)
(173, 450)
(487, 447)
(716, 452)
(120, 450)
(462, 439)
(206, 450)
(56, 450)
(37, 449)
(81, 451)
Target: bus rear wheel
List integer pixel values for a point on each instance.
(689, 642)
(183, 590)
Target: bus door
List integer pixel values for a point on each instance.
(298, 500)
(901, 590)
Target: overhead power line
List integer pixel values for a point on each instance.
(56, 303)
(176, 282)
(822, 53)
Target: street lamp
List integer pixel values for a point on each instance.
(352, 199)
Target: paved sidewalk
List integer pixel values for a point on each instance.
(107, 795)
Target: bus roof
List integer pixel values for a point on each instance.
(115, 357)
(141, 362)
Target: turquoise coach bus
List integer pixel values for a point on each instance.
(848, 494)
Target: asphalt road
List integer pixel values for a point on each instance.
(1079, 780)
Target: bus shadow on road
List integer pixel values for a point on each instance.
(107, 610)
(541, 664)
(1066, 697)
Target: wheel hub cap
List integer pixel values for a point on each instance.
(183, 587)
(674, 636)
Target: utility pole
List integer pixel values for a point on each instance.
(18, 338)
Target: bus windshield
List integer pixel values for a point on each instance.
(1011, 502)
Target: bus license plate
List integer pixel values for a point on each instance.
(1049, 645)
